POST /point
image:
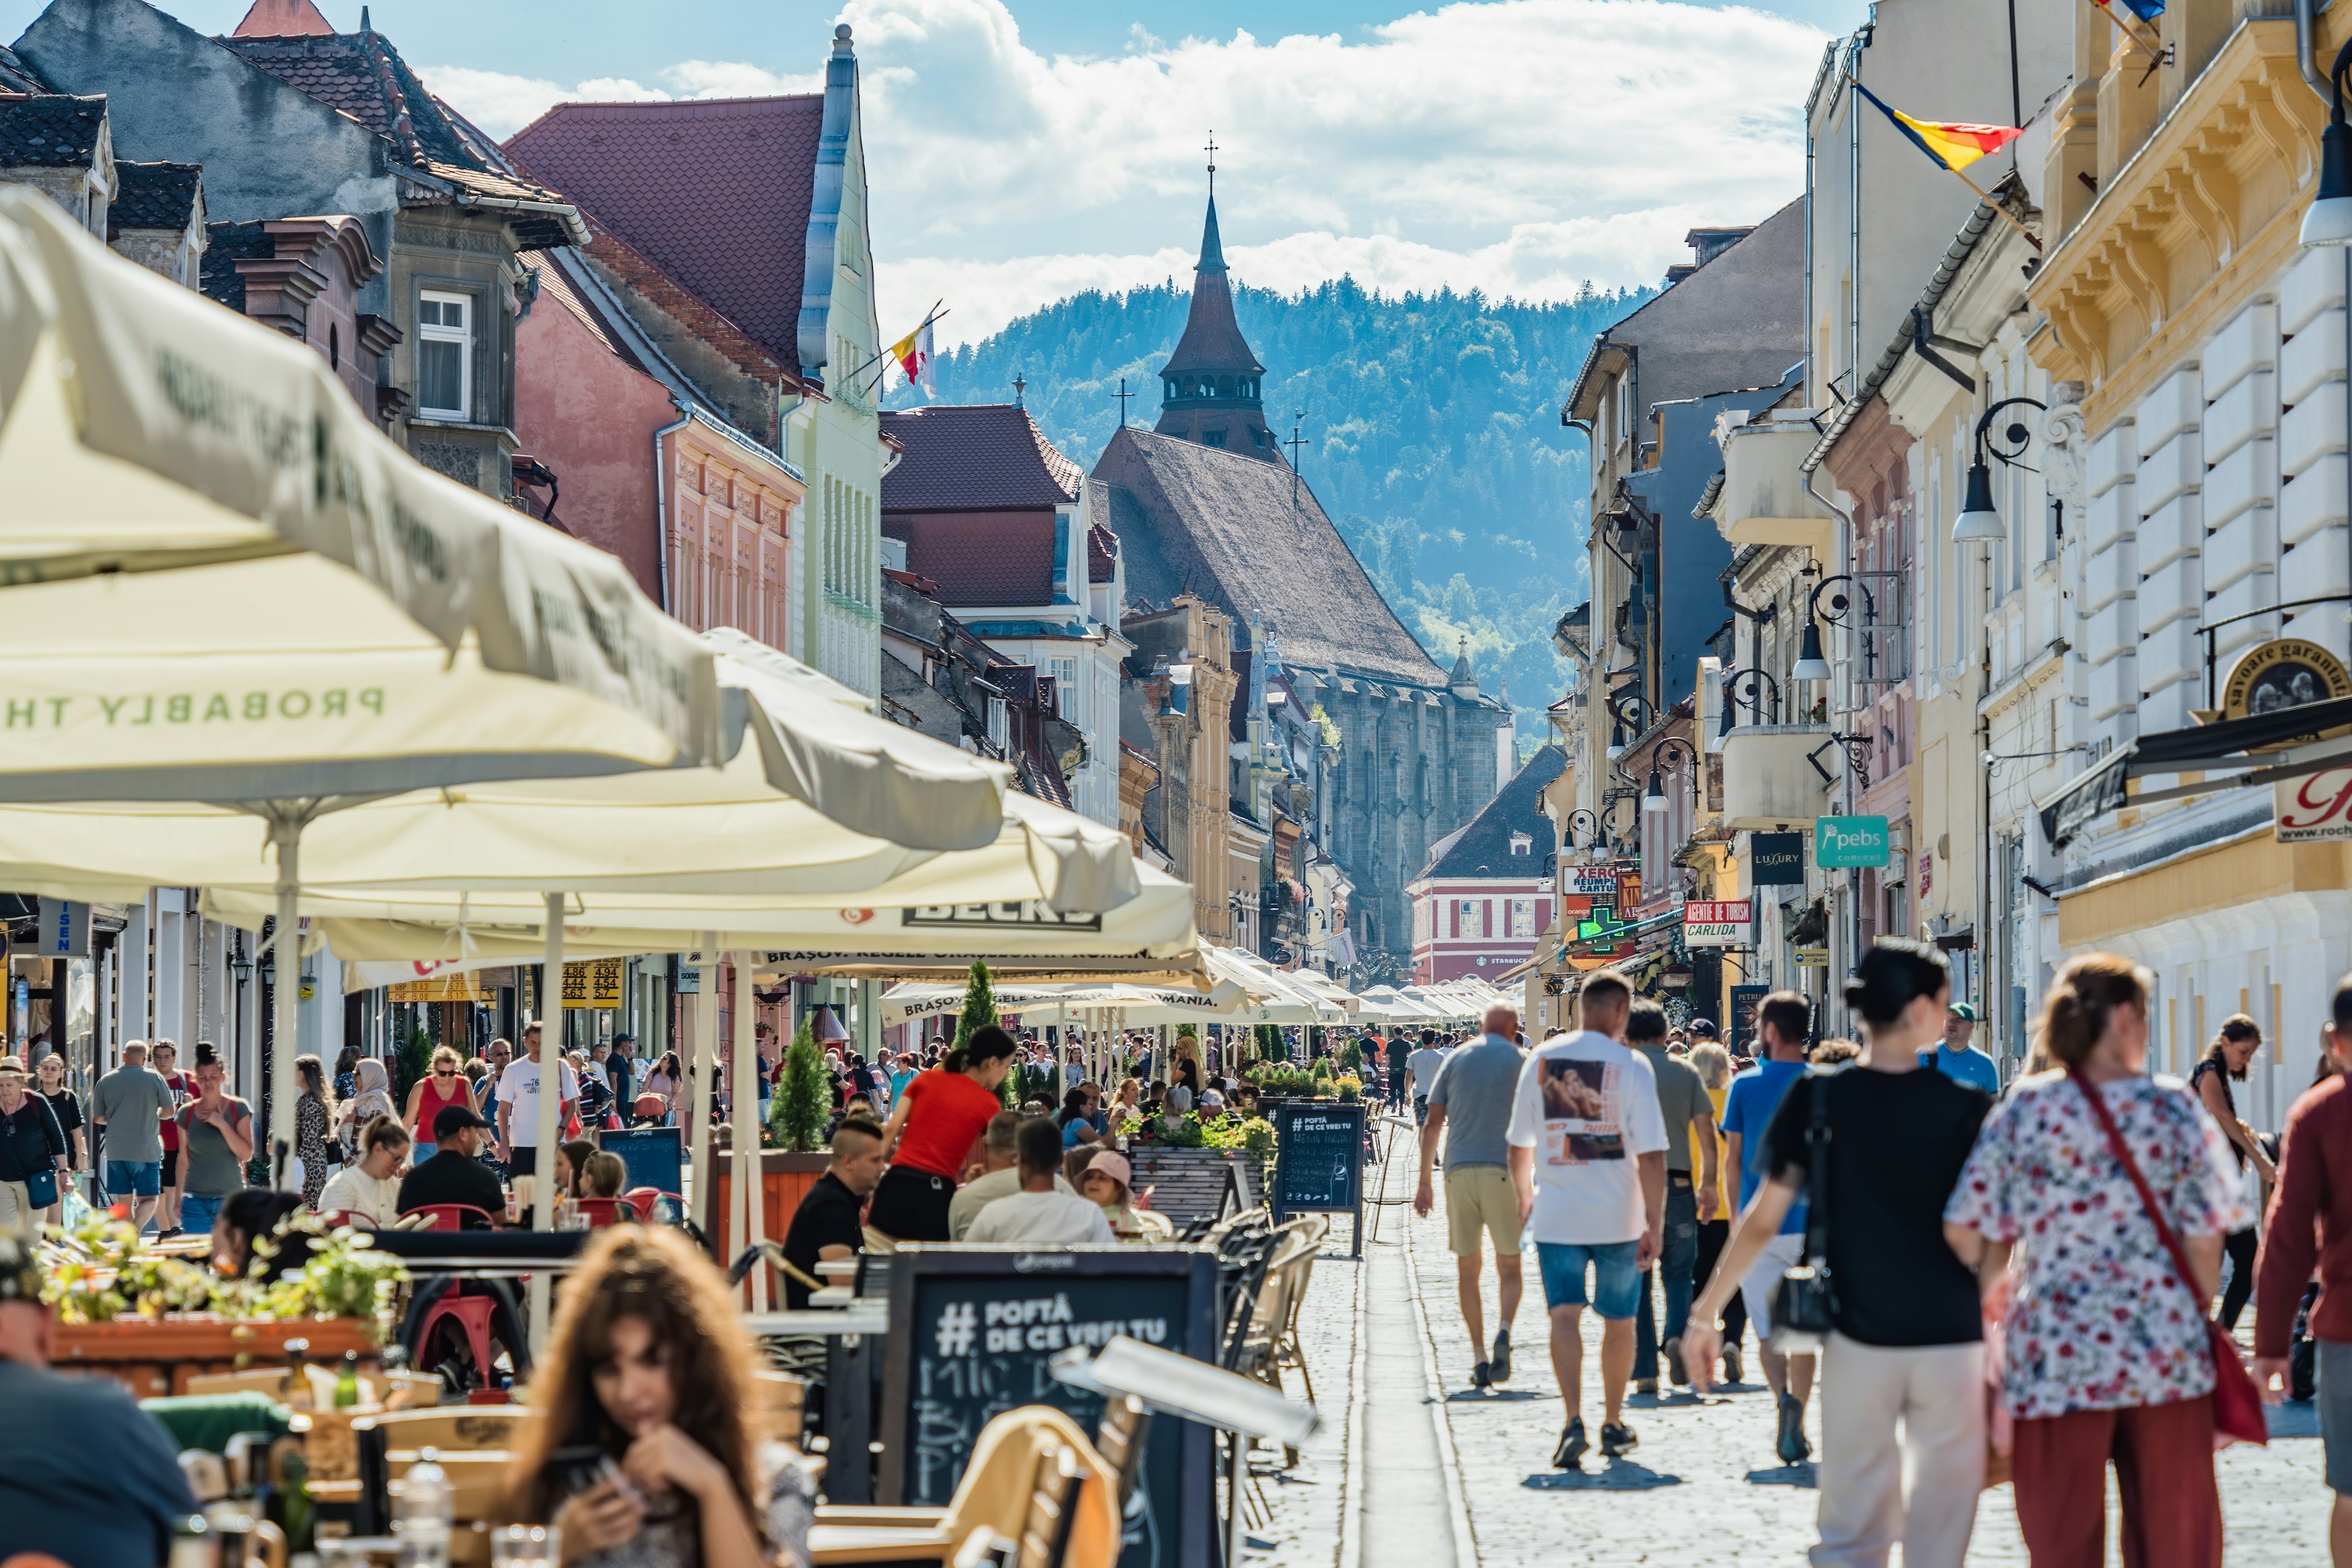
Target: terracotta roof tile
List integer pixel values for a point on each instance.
(974, 455)
(681, 304)
(1000, 558)
(715, 192)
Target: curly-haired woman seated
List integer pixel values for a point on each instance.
(646, 1458)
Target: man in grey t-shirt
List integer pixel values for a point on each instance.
(1470, 1105)
(1690, 1117)
(130, 1103)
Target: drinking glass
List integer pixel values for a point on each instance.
(525, 1546)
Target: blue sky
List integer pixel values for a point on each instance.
(1021, 149)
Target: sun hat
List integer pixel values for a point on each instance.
(1112, 1163)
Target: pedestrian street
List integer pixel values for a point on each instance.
(1414, 1468)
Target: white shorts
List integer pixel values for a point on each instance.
(1780, 1254)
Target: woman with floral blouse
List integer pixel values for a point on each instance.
(2106, 1352)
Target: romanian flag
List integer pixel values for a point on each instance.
(2146, 10)
(1953, 146)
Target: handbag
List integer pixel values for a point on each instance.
(2237, 1403)
(1804, 1304)
(41, 1186)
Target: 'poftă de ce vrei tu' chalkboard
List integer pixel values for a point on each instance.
(1318, 1160)
(971, 1330)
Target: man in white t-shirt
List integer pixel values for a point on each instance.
(1588, 1157)
(1040, 1212)
(518, 1095)
(1421, 1068)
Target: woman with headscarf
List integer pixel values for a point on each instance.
(373, 1099)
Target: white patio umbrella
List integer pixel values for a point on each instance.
(224, 585)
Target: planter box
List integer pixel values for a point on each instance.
(157, 1356)
(784, 1179)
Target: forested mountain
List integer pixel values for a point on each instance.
(1432, 430)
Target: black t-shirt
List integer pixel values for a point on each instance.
(827, 1217)
(1897, 1141)
(449, 1177)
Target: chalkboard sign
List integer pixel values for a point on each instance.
(1318, 1163)
(971, 1330)
(653, 1156)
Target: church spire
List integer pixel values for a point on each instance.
(1209, 385)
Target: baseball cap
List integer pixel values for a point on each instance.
(1114, 1165)
(1702, 1028)
(451, 1120)
(1965, 1011)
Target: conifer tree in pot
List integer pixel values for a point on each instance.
(799, 1109)
(979, 1012)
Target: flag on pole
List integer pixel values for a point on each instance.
(913, 354)
(1952, 144)
(2146, 10)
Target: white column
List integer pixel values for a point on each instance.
(702, 1075)
(748, 1201)
(131, 973)
(172, 970)
(550, 1088)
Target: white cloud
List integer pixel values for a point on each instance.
(1519, 146)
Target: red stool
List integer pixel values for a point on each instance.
(471, 1314)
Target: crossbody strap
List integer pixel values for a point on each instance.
(2139, 1184)
(1817, 1168)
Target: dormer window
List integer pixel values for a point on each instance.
(1522, 844)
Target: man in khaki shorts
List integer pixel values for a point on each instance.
(1470, 1105)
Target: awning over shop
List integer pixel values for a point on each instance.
(2245, 753)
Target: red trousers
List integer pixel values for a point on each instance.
(2163, 1455)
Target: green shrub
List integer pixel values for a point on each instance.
(802, 1103)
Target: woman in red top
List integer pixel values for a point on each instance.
(438, 1091)
(938, 1118)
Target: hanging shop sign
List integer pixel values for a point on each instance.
(1776, 859)
(2313, 809)
(2286, 672)
(595, 984)
(1717, 923)
(65, 929)
(1844, 843)
(1595, 881)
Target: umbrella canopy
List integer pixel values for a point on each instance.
(1148, 938)
(670, 839)
(147, 428)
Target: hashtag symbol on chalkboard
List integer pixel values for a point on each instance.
(956, 1328)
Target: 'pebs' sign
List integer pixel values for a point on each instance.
(1844, 842)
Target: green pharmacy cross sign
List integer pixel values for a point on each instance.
(1843, 843)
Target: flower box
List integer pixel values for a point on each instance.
(157, 1356)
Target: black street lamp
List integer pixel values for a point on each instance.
(1978, 521)
(2328, 220)
(1674, 757)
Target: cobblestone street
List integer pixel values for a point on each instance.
(1383, 1485)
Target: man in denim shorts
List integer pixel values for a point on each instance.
(1588, 1161)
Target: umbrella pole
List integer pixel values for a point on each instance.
(286, 950)
(752, 1204)
(702, 1078)
(551, 1093)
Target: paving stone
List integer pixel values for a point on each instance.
(1703, 1488)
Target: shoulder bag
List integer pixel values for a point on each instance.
(1804, 1304)
(2237, 1403)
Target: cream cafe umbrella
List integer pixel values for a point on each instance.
(224, 585)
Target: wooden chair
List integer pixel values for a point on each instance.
(1120, 1438)
(477, 1439)
(992, 1509)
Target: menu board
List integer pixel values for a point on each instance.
(654, 1155)
(973, 1329)
(1319, 1164)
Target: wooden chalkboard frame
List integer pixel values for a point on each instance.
(619, 1139)
(1284, 1114)
(1196, 1267)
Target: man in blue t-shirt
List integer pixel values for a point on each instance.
(1784, 1021)
(1956, 1059)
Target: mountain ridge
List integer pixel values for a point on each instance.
(1427, 424)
